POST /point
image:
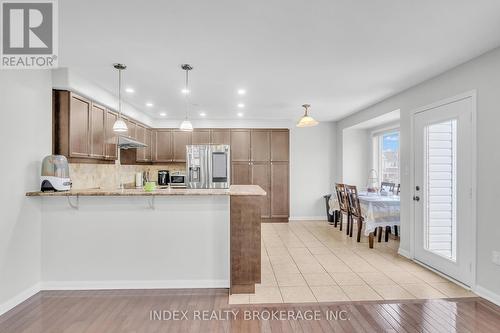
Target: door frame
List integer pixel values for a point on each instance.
(469, 94)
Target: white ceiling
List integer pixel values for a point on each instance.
(338, 55)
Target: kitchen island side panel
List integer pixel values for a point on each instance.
(120, 242)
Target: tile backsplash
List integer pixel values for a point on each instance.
(85, 176)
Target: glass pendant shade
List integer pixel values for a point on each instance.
(307, 120)
(120, 126)
(186, 126)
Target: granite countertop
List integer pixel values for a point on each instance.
(234, 190)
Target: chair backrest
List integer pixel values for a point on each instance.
(352, 196)
(342, 197)
(398, 189)
(388, 187)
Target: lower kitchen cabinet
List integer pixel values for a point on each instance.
(280, 190)
(241, 173)
(261, 175)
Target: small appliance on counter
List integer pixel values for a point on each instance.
(163, 177)
(178, 179)
(208, 166)
(55, 174)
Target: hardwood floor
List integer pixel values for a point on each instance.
(130, 311)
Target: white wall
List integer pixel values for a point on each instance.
(112, 242)
(312, 159)
(25, 132)
(66, 79)
(483, 75)
(356, 156)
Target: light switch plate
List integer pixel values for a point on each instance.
(495, 257)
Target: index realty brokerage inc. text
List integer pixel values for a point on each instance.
(205, 315)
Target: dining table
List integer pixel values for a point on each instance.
(378, 209)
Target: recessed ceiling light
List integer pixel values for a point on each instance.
(203, 114)
(163, 114)
(130, 90)
(149, 104)
(185, 91)
(240, 114)
(241, 105)
(242, 91)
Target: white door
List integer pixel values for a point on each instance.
(443, 164)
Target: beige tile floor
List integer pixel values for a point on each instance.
(311, 261)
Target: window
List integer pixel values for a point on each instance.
(386, 156)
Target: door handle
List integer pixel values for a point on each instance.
(416, 198)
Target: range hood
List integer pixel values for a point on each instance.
(129, 143)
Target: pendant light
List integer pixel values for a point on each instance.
(307, 120)
(120, 126)
(186, 125)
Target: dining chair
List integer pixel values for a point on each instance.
(354, 210)
(343, 204)
(388, 187)
(398, 189)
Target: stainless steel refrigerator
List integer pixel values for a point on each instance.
(208, 166)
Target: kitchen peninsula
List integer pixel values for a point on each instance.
(168, 238)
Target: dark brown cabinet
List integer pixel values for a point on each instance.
(148, 140)
(261, 175)
(220, 136)
(201, 137)
(162, 146)
(280, 145)
(279, 190)
(141, 137)
(79, 134)
(241, 173)
(260, 145)
(97, 128)
(240, 145)
(179, 142)
(110, 146)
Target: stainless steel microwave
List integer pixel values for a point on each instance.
(177, 179)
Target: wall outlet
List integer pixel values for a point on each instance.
(495, 257)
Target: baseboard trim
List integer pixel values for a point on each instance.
(487, 294)
(307, 218)
(19, 298)
(404, 253)
(166, 284)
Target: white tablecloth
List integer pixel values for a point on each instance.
(378, 211)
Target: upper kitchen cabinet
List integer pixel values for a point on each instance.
(201, 137)
(97, 129)
(79, 117)
(132, 129)
(179, 142)
(220, 136)
(141, 137)
(240, 145)
(280, 145)
(149, 141)
(162, 143)
(260, 145)
(110, 138)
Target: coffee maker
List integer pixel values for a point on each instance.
(163, 177)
